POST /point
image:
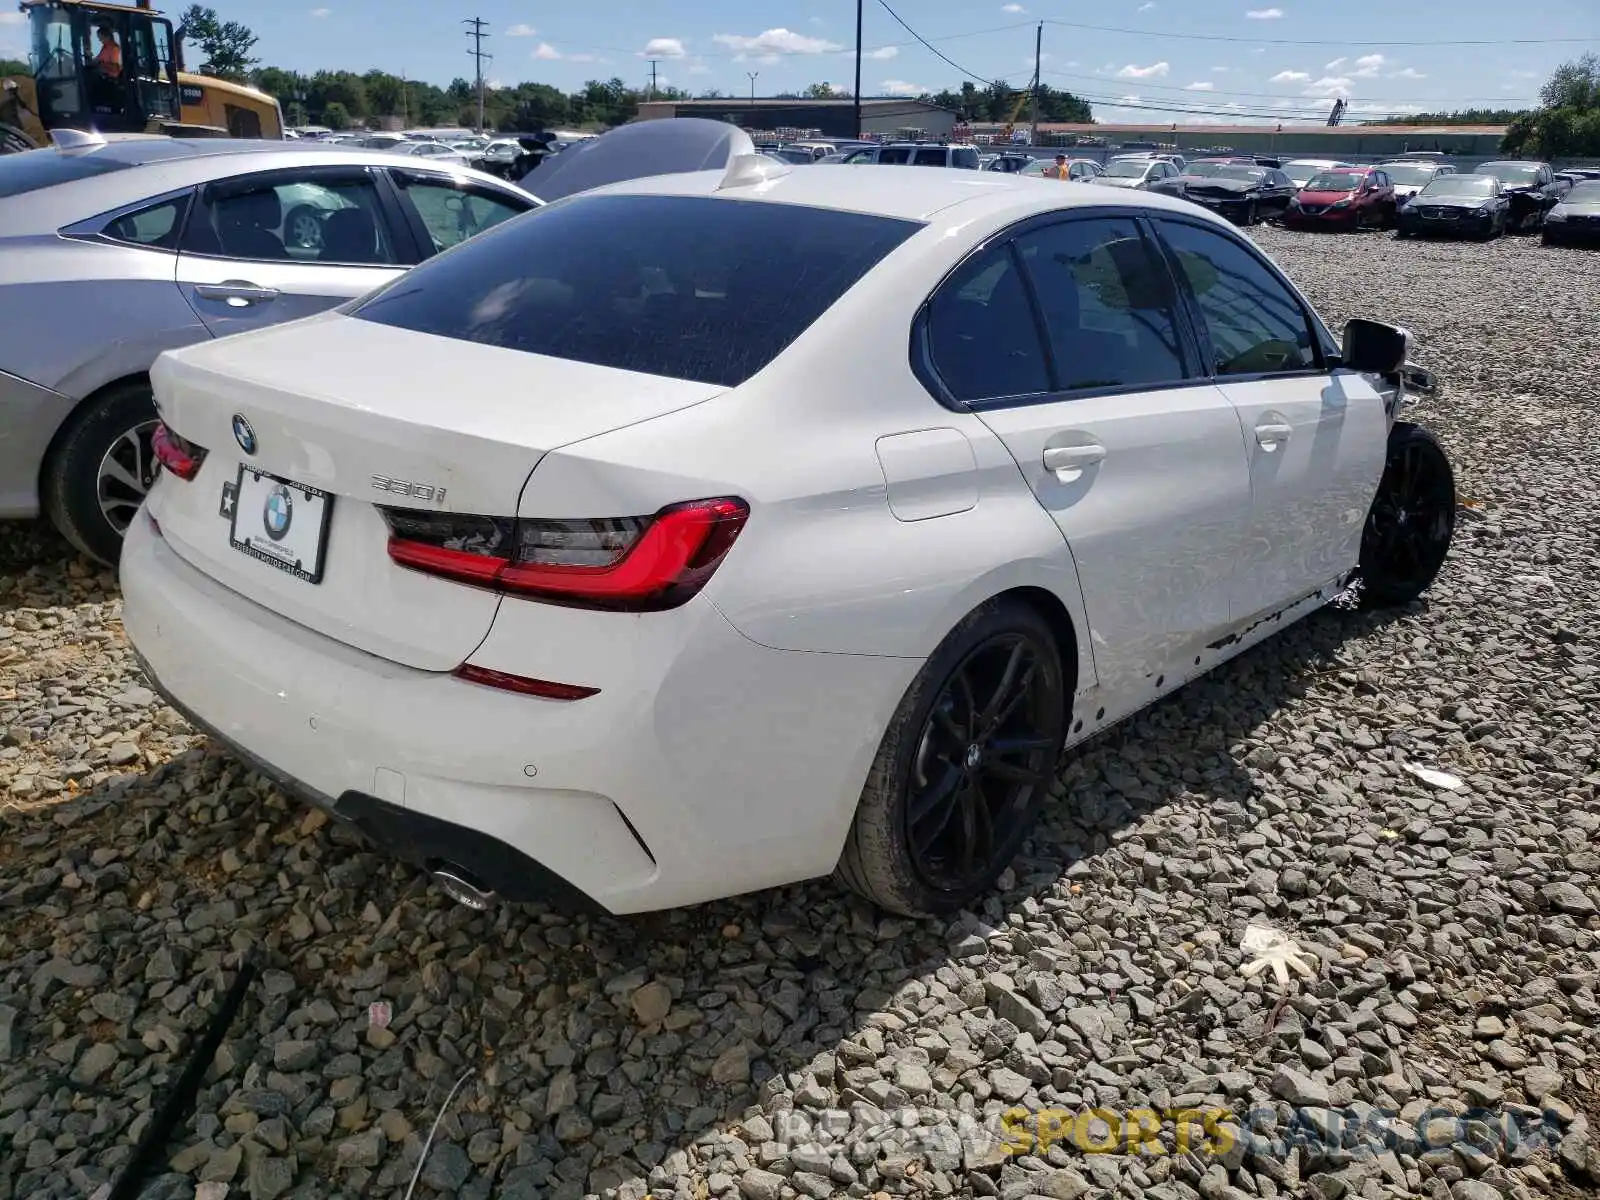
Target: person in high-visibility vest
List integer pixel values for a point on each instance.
(1059, 171)
(109, 60)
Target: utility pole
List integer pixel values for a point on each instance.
(753, 76)
(857, 93)
(1038, 65)
(477, 35)
(405, 102)
(653, 78)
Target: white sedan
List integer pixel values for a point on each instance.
(609, 558)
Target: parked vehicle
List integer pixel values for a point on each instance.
(1575, 220)
(1409, 178)
(1011, 164)
(1177, 160)
(1141, 174)
(1350, 198)
(660, 590)
(1079, 170)
(916, 154)
(1240, 191)
(127, 247)
(1530, 188)
(793, 154)
(1300, 170)
(1455, 206)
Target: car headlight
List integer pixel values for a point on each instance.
(1345, 203)
(1555, 214)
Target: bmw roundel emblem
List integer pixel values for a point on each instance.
(244, 434)
(278, 513)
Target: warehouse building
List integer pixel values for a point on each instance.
(1311, 141)
(830, 118)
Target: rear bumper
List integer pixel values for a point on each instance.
(1572, 233)
(718, 767)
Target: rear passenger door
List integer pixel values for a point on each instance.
(1066, 340)
(1316, 437)
(274, 246)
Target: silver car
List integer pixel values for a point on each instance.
(116, 249)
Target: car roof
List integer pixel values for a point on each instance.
(903, 195)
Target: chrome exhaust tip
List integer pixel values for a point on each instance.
(462, 891)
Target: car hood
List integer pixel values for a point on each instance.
(1211, 183)
(1119, 181)
(1452, 201)
(1572, 207)
(675, 147)
(1324, 197)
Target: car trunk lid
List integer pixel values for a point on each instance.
(315, 424)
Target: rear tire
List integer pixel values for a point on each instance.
(99, 469)
(1251, 214)
(948, 802)
(1411, 522)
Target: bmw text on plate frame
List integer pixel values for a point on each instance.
(244, 434)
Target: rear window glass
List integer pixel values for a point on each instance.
(35, 169)
(688, 287)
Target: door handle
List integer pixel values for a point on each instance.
(1271, 434)
(236, 295)
(1061, 459)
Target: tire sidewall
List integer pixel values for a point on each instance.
(70, 490)
(1376, 591)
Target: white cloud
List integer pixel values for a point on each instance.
(663, 48)
(546, 51)
(899, 87)
(1201, 85)
(1012, 8)
(699, 68)
(1368, 65)
(1328, 87)
(882, 53)
(1219, 70)
(1147, 6)
(1131, 99)
(1290, 77)
(319, 13)
(521, 31)
(1407, 73)
(1153, 71)
(1264, 14)
(775, 42)
(1335, 65)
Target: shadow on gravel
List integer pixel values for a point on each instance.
(580, 1087)
(38, 567)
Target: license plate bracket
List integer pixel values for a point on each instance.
(279, 522)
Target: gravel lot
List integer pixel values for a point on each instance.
(1454, 934)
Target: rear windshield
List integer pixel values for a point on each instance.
(689, 287)
(35, 169)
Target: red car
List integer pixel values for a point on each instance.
(1346, 198)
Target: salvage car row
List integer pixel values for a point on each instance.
(636, 550)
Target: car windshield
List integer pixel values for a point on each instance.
(1472, 187)
(1511, 172)
(1408, 174)
(1335, 181)
(688, 287)
(35, 169)
(1126, 169)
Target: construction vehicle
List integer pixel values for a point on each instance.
(116, 68)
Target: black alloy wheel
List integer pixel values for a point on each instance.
(1411, 522)
(964, 765)
(990, 742)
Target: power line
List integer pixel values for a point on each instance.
(1259, 41)
(935, 51)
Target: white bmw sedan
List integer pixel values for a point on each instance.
(710, 532)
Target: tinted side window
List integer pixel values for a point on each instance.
(981, 331)
(898, 155)
(929, 156)
(687, 287)
(1108, 304)
(320, 217)
(452, 214)
(157, 227)
(967, 158)
(1252, 324)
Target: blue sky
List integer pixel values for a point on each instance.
(1170, 57)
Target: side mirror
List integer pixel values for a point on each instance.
(1374, 347)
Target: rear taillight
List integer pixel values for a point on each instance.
(176, 455)
(523, 685)
(633, 563)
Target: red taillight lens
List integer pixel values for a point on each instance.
(634, 563)
(176, 455)
(522, 685)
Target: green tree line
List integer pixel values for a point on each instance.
(1567, 123)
